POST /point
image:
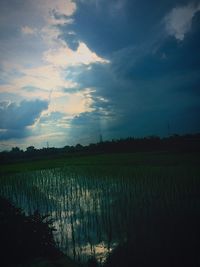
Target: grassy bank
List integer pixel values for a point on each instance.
(118, 159)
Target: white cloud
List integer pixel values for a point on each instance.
(44, 77)
(64, 56)
(117, 7)
(52, 75)
(71, 104)
(47, 76)
(50, 36)
(178, 22)
(28, 30)
(63, 9)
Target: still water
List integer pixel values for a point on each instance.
(94, 209)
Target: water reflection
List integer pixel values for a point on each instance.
(93, 213)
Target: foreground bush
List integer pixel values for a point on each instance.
(24, 238)
(162, 241)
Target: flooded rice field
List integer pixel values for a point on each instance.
(96, 208)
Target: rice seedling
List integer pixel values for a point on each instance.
(95, 207)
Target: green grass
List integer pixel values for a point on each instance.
(128, 188)
(121, 159)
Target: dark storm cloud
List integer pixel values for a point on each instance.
(79, 130)
(14, 118)
(107, 26)
(153, 77)
(13, 133)
(87, 127)
(145, 90)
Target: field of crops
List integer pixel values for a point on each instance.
(97, 202)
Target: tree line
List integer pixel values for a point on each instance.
(179, 143)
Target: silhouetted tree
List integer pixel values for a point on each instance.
(15, 149)
(24, 238)
(30, 149)
(174, 143)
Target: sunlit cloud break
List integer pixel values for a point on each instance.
(119, 68)
(64, 56)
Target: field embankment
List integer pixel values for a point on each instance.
(118, 159)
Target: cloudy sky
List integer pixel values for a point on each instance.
(72, 70)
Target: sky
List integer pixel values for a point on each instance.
(71, 71)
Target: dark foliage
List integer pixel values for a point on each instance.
(24, 238)
(167, 241)
(92, 262)
(175, 143)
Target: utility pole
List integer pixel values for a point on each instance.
(168, 128)
(100, 138)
